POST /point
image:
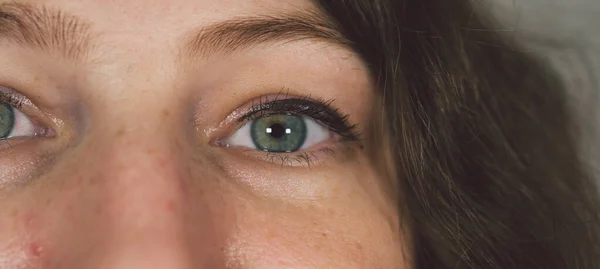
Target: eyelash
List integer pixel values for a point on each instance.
(320, 110)
(12, 99)
(293, 159)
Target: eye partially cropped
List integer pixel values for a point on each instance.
(14, 123)
(282, 126)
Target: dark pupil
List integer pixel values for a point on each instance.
(278, 133)
(277, 130)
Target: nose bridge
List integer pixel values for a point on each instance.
(143, 174)
(140, 178)
(139, 203)
(141, 170)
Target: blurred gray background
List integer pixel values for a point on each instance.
(567, 34)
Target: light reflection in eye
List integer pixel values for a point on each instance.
(280, 133)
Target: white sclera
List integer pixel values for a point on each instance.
(23, 126)
(315, 133)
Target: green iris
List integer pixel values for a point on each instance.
(7, 120)
(278, 132)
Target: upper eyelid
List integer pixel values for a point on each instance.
(27, 106)
(12, 97)
(342, 126)
(266, 106)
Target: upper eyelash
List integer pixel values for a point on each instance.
(12, 99)
(320, 110)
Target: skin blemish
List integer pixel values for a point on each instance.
(171, 206)
(15, 212)
(121, 132)
(359, 246)
(37, 254)
(35, 250)
(30, 221)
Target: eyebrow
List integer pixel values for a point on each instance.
(246, 32)
(54, 31)
(44, 28)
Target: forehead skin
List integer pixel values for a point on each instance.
(132, 178)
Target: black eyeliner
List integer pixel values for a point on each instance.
(320, 110)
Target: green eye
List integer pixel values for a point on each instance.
(278, 133)
(7, 120)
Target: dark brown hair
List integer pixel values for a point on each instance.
(482, 140)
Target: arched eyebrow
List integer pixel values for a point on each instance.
(244, 32)
(46, 29)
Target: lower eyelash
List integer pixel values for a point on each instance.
(307, 159)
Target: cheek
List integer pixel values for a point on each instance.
(347, 225)
(21, 245)
(346, 231)
(308, 242)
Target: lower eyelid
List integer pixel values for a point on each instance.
(311, 158)
(334, 149)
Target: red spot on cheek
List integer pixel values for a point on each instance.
(35, 250)
(183, 186)
(38, 254)
(171, 206)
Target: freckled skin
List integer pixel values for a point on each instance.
(131, 182)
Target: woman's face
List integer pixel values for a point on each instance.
(187, 134)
